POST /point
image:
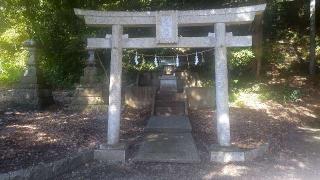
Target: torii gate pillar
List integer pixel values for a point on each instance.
(221, 75)
(114, 112)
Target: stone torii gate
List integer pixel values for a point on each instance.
(167, 23)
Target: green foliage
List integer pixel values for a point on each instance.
(207, 83)
(250, 90)
(61, 35)
(286, 36)
(142, 67)
(240, 59)
(12, 34)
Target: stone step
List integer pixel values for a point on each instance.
(169, 104)
(168, 147)
(169, 111)
(170, 97)
(168, 93)
(168, 124)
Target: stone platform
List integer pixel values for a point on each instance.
(168, 147)
(223, 154)
(168, 124)
(111, 153)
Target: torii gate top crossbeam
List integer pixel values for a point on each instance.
(167, 23)
(184, 18)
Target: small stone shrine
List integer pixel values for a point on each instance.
(90, 94)
(168, 80)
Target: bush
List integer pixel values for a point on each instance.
(240, 59)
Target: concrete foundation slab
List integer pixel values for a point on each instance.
(111, 153)
(226, 154)
(168, 147)
(168, 124)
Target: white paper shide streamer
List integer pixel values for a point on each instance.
(156, 61)
(136, 59)
(177, 61)
(196, 62)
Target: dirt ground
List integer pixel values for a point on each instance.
(298, 159)
(292, 129)
(30, 138)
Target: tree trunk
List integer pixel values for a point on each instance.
(257, 42)
(312, 65)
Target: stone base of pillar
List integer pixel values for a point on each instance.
(32, 98)
(30, 94)
(226, 154)
(111, 153)
(90, 95)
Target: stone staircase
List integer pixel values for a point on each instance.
(170, 104)
(168, 135)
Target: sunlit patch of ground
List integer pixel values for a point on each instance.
(28, 138)
(255, 121)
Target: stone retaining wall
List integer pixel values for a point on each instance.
(50, 170)
(139, 97)
(200, 97)
(25, 98)
(6, 98)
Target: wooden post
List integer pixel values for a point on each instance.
(312, 64)
(114, 114)
(221, 73)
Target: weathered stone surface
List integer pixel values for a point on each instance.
(5, 176)
(170, 110)
(89, 108)
(114, 111)
(257, 152)
(200, 97)
(90, 95)
(50, 170)
(191, 17)
(139, 97)
(168, 83)
(226, 154)
(63, 98)
(221, 81)
(90, 75)
(184, 42)
(111, 153)
(89, 100)
(168, 124)
(168, 147)
(167, 27)
(92, 91)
